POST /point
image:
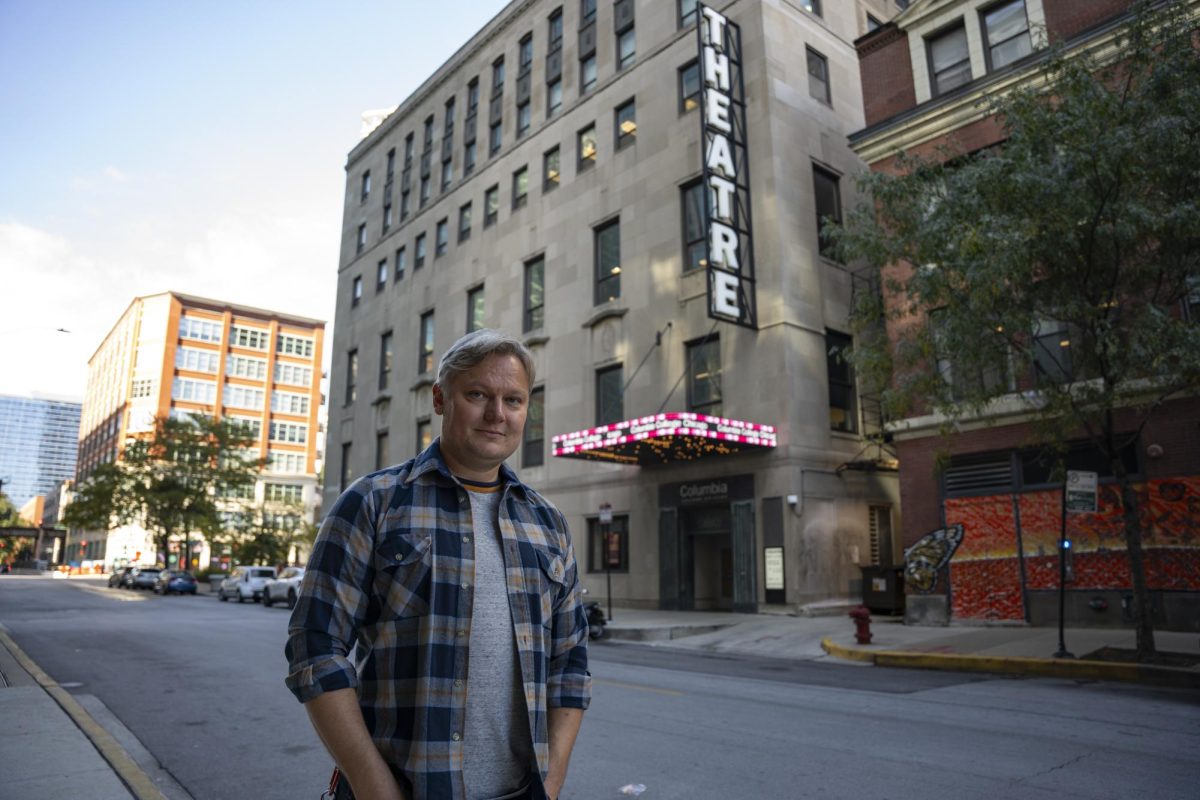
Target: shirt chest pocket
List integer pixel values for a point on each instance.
(552, 576)
(404, 574)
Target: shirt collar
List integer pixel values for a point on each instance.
(431, 461)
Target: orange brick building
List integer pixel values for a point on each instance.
(173, 354)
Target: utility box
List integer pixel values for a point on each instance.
(883, 589)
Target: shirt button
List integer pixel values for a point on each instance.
(456, 736)
(465, 585)
(461, 633)
(458, 684)
(462, 497)
(466, 540)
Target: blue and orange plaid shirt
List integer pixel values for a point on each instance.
(391, 577)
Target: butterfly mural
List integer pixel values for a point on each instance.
(926, 556)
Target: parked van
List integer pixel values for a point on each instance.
(245, 583)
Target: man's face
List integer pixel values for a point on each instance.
(483, 411)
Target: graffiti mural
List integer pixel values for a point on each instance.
(926, 557)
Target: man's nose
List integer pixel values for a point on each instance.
(494, 409)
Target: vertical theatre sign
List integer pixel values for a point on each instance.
(726, 171)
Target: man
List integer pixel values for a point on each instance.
(458, 587)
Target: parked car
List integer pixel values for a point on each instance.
(245, 583)
(175, 580)
(144, 577)
(283, 589)
(120, 577)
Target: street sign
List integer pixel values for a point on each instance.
(1081, 491)
(773, 557)
(606, 514)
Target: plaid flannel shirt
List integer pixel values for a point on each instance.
(391, 574)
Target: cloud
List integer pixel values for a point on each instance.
(114, 174)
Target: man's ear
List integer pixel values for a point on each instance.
(438, 400)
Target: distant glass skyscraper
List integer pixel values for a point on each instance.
(39, 439)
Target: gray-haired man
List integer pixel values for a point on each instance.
(458, 585)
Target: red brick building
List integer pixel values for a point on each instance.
(925, 78)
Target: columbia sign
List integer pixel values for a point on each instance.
(726, 172)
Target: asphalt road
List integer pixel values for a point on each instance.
(200, 684)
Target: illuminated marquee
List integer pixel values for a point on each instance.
(663, 438)
(731, 296)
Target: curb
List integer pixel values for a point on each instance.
(1017, 665)
(137, 781)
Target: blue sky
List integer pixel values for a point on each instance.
(197, 146)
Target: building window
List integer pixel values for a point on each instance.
(408, 151)
(448, 125)
(625, 123)
(294, 346)
(194, 360)
(475, 309)
(525, 54)
(242, 367)
(382, 458)
(425, 344)
(1052, 351)
(498, 76)
(292, 374)
(818, 76)
(843, 407)
(381, 275)
(949, 60)
(201, 330)
(356, 291)
(704, 376)
(553, 97)
(424, 198)
(687, 12)
(194, 391)
(829, 206)
(387, 217)
(524, 118)
(1006, 28)
(962, 378)
(347, 474)
(447, 174)
(472, 97)
(290, 402)
(587, 73)
(608, 262)
(251, 338)
(351, 376)
(495, 139)
(427, 138)
(533, 441)
(424, 435)
(442, 239)
(361, 241)
(611, 555)
(626, 47)
(401, 258)
(535, 295)
(491, 206)
(873, 24)
(366, 186)
(585, 145)
(610, 401)
(550, 169)
(1191, 299)
(555, 31)
(689, 86)
(243, 397)
(289, 432)
(464, 223)
(695, 239)
(813, 6)
(405, 205)
(385, 360)
(468, 158)
(419, 255)
(391, 164)
(520, 187)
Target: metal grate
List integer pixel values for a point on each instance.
(980, 477)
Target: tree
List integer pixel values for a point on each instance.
(265, 532)
(1069, 254)
(171, 483)
(10, 515)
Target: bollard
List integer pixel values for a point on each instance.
(862, 624)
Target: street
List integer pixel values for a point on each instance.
(199, 683)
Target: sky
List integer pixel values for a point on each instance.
(190, 146)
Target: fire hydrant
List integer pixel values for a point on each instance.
(862, 624)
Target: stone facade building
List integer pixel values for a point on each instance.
(548, 180)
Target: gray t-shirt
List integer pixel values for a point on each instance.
(497, 745)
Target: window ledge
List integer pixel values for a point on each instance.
(603, 312)
(535, 338)
(423, 380)
(382, 397)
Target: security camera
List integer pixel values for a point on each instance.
(792, 500)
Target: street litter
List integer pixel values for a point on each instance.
(633, 789)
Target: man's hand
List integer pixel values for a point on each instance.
(563, 726)
(339, 722)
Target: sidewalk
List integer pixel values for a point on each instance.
(1007, 649)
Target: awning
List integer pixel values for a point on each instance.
(664, 438)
